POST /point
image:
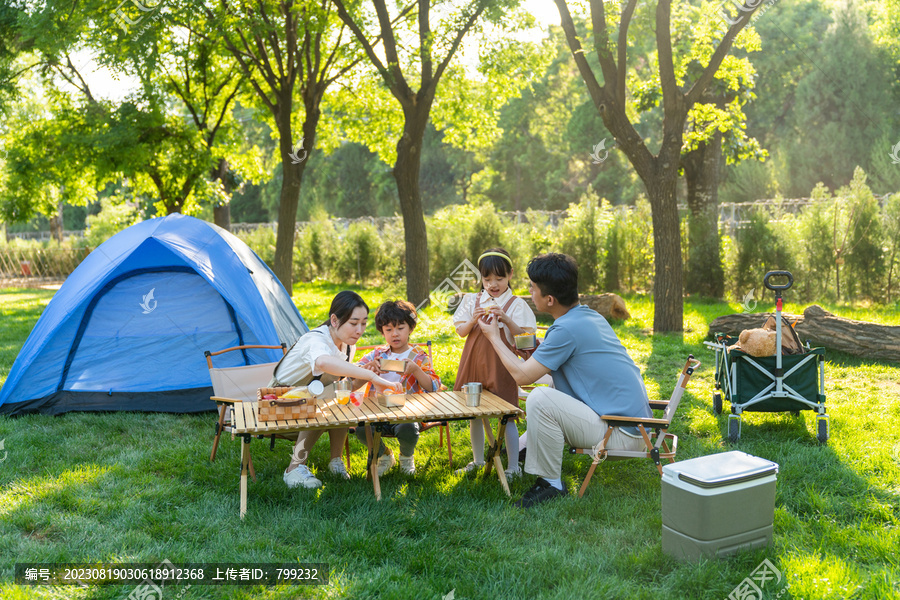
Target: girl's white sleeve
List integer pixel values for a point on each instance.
(465, 309)
(521, 315)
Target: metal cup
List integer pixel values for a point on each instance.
(525, 341)
(342, 389)
(473, 394)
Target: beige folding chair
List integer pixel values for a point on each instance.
(442, 425)
(236, 384)
(665, 444)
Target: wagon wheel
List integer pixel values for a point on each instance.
(717, 403)
(734, 430)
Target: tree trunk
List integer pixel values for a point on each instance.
(611, 272)
(705, 275)
(292, 180)
(56, 223)
(406, 173)
(222, 212)
(611, 306)
(222, 216)
(821, 328)
(667, 281)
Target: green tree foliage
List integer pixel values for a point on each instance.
(840, 106)
(412, 48)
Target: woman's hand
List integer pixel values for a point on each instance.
(381, 384)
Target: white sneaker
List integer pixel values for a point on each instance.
(470, 468)
(301, 477)
(513, 472)
(336, 466)
(385, 462)
(407, 465)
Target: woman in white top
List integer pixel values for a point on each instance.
(324, 354)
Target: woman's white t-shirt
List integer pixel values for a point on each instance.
(298, 366)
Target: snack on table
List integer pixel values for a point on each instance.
(297, 392)
(392, 366)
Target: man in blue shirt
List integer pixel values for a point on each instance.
(592, 374)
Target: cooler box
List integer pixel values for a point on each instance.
(716, 505)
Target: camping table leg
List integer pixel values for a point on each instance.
(374, 441)
(245, 461)
(494, 452)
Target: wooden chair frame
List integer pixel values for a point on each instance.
(225, 406)
(441, 425)
(666, 443)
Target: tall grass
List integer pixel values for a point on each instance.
(123, 487)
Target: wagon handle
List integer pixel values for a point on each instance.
(778, 288)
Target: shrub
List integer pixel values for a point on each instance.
(635, 237)
(114, 216)
(357, 253)
(262, 241)
(582, 236)
(758, 249)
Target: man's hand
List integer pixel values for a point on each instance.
(491, 329)
(523, 372)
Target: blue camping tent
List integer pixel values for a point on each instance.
(128, 328)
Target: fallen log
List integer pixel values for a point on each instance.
(611, 306)
(822, 328)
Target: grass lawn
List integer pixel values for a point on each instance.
(121, 487)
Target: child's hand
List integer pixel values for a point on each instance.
(411, 368)
(497, 313)
(478, 314)
(485, 314)
(373, 366)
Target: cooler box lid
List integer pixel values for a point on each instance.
(719, 470)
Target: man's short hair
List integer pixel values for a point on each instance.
(394, 312)
(555, 275)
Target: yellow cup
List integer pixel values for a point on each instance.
(342, 391)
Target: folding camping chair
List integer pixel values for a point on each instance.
(237, 384)
(443, 426)
(666, 443)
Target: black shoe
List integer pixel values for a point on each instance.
(522, 454)
(540, 492)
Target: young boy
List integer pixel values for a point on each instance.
(396, 320)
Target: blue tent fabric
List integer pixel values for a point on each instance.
(128, 328)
